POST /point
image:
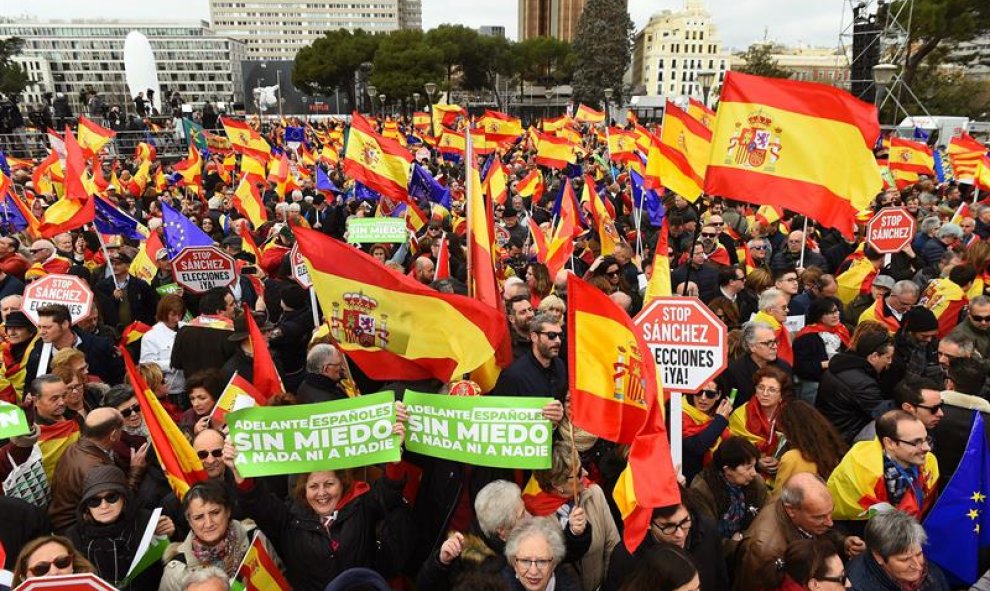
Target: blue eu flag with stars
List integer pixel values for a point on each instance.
(180, 232)
(958, 525)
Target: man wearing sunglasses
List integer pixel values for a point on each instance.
(919, 397)
(976, 326)
(540, 372)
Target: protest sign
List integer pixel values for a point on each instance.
(12, 421)
(373, 230)
(309, 437)
(495, 431)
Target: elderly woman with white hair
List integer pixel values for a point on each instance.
(894, 559)
(534, 552)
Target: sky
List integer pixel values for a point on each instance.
(740, 22)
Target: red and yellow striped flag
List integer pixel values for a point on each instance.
(908, 160)
(452, 145)
(132, 332)
(532, 185)
(178, 459)
(946, 300)
(965, 154)
(421, 121)
(608, 236)
(144, 266)
(586, 114)
(769, 144)
(701, 113)
(258, 571)
(685, 145)
(76, 207)
(247, 200)
(496, 184)
(500, 127)
(244, 139)
(239, 393)
(651, 174)
(92, 136)
(554, 152)
(379, 163)
(191, 169)
(621, 145)
(53, 440)
(569, 227)
(659, 284)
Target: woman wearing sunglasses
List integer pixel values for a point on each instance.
(705, 420)
(49, 556)
(109, 527)
(811, 564)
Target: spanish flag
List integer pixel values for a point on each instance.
(608, 236)
(451, 145)
(539, 242)
(53, 440)
(181, 465)
(496, 183)
(946, 300)
(392, 326)
(140, 179)
(858, 483)
(253, 166)
(586, 114)
(615, 394)
(76, 207)
(659, 284)
(377, 162)
(191, 169)
(446, 116)
(908, 160)
(480, 143)
(654, 158)
(41, 178)
(685, 145)
(144, 266)
(552, 125)
(421, 121)
(532, 185)
(643, 138)
(266, 378)
(569, 227)
(554, 152)
(239, 393)
(621, 145)
(92, 136)
(258, 571)
(247, 200)
(856, 280)
(247, 242)
(807, 147)
(701, 113)
(243, 138)
(132, 332)
(500, 127)
(145, 151)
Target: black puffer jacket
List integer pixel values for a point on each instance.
(867, 575)
(849, 393)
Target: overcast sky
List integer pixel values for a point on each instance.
(740, 22)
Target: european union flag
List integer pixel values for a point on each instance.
(921, 134)
(323, 182)
(11, 218)
(958, 525)
(4, 165)
(648, 199)
(110, 220)
(423, 186)
(939, 167)
(364, 193)
(180, 232)
(295, 134)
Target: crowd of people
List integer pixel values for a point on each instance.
(809, 463)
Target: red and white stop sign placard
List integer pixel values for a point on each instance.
(891, 229)
(687, 340)
(202, 268)
(81, 582)
(300, 273)
(69, 290)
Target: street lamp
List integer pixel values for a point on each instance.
(372, 91)
(381, 97)
(416, 96)
(608, 92)
(706, 78)
(548, 93)
(884, 74)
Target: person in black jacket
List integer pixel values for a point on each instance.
(540, 371)
(55, 330)
(915, 349)
(850, 393)
(685, 528)
(109, 528)
(22, 522)
(288, 341)
(760, 345)
(129, 298)
(324, 371)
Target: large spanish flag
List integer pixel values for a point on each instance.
(391, 325)
(615, 394)
(500, 127)
(76, 207)
(181, 465)
(92, 136)
(244, 139)
(685, 145)
(377, 162)
(554, 152)
(586, 114)
(908, 160)
(800, 145)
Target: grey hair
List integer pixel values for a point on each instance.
(905, 286)
(749, 333)
(966, 344)
(949, 230)
(768, 299)
(545, 527)
(496, 506)
(38, 382)
(980, 300)
(764, 242)
(892, 533)
(203, 575)
(930, 224)
(541, 319)
(319, 356)
(792, 494)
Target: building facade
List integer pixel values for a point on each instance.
(826, 65)
(492, 31)
(70, 57)
(277, 29)
(673, 48)
(973, 57)
(549, 18)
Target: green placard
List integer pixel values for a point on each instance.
(373, 230)
(168, 288)
(309, 437)
(495, 431)
(12, 421)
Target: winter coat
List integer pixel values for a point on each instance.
(866, 574)
(180, 560)
(564, 579)
(849, 393)
(111, 547)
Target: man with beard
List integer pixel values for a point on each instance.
(540, 372)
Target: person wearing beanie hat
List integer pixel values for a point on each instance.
(289, 341)
(109, 527)
(21, 334)
(850, 390)
(915, 349)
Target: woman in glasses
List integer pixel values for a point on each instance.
(49, 556)
(109, 527)
(534, 551)
(756, 420)
(822, 337)
(705, 420)
(894, 559)
(730, 491)
(808, 565)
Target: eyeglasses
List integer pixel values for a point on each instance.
(772, 344)
(540, 564)
(840, 578)
(708, 234)
(768, 389)
(976, 318)
(716, 224)
(205, 453)
(934, 409)
(758, 247)
(42, 568)
(95, 502)
(917, 442)
(709, 393)
(130, 410)
(551, 335)
(612, 273)
(668, 529)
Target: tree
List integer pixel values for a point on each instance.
(404, 62)
(458, 45)
(492, 57)
(759, 62)
(933, 22)
(332, 61)
(543, 60)
(602, 48)
(13, 78)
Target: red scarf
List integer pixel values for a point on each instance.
(758, 424)
(838, 330)
(546, 503)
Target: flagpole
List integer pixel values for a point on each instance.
(469, 207)
(106, 255)
(804, 242)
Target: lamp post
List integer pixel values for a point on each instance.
(548, 93)
(608, 92)
(372, 91)
(884, 76)
(381, 97)
(416, 96)
(706, 78)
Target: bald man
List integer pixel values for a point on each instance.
(100, 432)
(423, 270)
(803, 510)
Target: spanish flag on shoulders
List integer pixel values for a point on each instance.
(946, 300)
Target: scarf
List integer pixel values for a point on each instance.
(838, 330)
(212, 321)
(226, 554)
(694, 422)
(731, 521)
(758, 424)
(897, 481)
